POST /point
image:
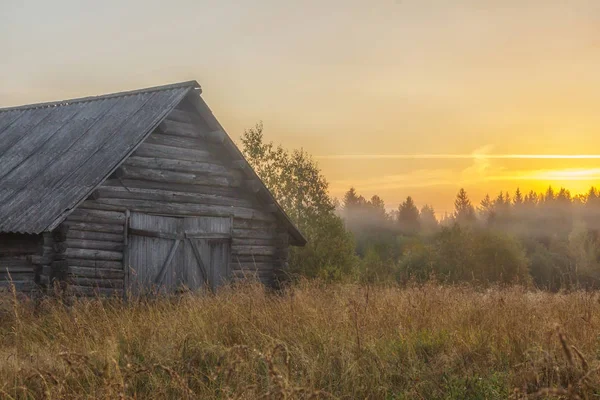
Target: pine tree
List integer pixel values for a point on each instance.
(408, 216)
(464, 212)
(486, 209)
(518, 200)
(429, 222)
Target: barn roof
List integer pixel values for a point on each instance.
(53, 155)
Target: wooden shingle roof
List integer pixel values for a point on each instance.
(53, 155)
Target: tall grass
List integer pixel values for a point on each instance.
(312, 341)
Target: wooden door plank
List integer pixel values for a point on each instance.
(199, 259)
(161, 274)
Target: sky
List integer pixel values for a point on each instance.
(393, 97)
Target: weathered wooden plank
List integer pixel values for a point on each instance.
(217, 136)
(97, 216)
(90, 235)
(180, 116)
(95, 244)
(20, 286)
(17, 269)
(156, 234)
(252, 266)
(89, 291)
(239, 223)
(179, 165)
(94, 254)
(179, 142)
(167, 208)
(271, 241)
(240, 164)
(169, 196)
(225, 191)
(17, 276)
(158, 175)
(92, 263)
(95, 282)
(252, 258)
(103, 273)
(257, 233)
(85, 226)
(181, 128)
(161, 151)
(253, 185)
(253, 250)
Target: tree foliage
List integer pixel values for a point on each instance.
(298, 185)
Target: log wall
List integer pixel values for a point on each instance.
(21, 257)
(178, 171)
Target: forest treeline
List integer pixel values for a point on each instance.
(548, 239)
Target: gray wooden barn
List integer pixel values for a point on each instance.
(132, 191)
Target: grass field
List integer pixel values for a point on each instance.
(313, 341)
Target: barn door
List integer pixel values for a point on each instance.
(207, 249)
(155, 252)
(166, 253)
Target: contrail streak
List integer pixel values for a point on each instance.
(459, 156)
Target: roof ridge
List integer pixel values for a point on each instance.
(57, 103)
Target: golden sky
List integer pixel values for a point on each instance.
(394, 97)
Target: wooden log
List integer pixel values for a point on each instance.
(95, 254)
(95, 244)
(90, 235)
(179, 142)
(179, 165)
(217, 136)
(158, 175)
(249, 266)
(96, 282)
(60, 233)
(181, 128)
(97, 264)
(59, 247)
(97, 216)
(160, 151)
(85, 226)
(257, 233)
(240, 164)
(241, 223)
(101, 273)
(180, 116)
(88, 291)
(254, 250)
(272, 241)
(252, 258)
(168, 208)
(20, 286)
(21, 269)
(38, 260)
(169, 196)
(17, 276)
(253, 185)
(173, 186)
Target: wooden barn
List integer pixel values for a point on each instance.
(130, 192)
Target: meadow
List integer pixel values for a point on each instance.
(312, 340)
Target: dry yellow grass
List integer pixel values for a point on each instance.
(313, 341)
